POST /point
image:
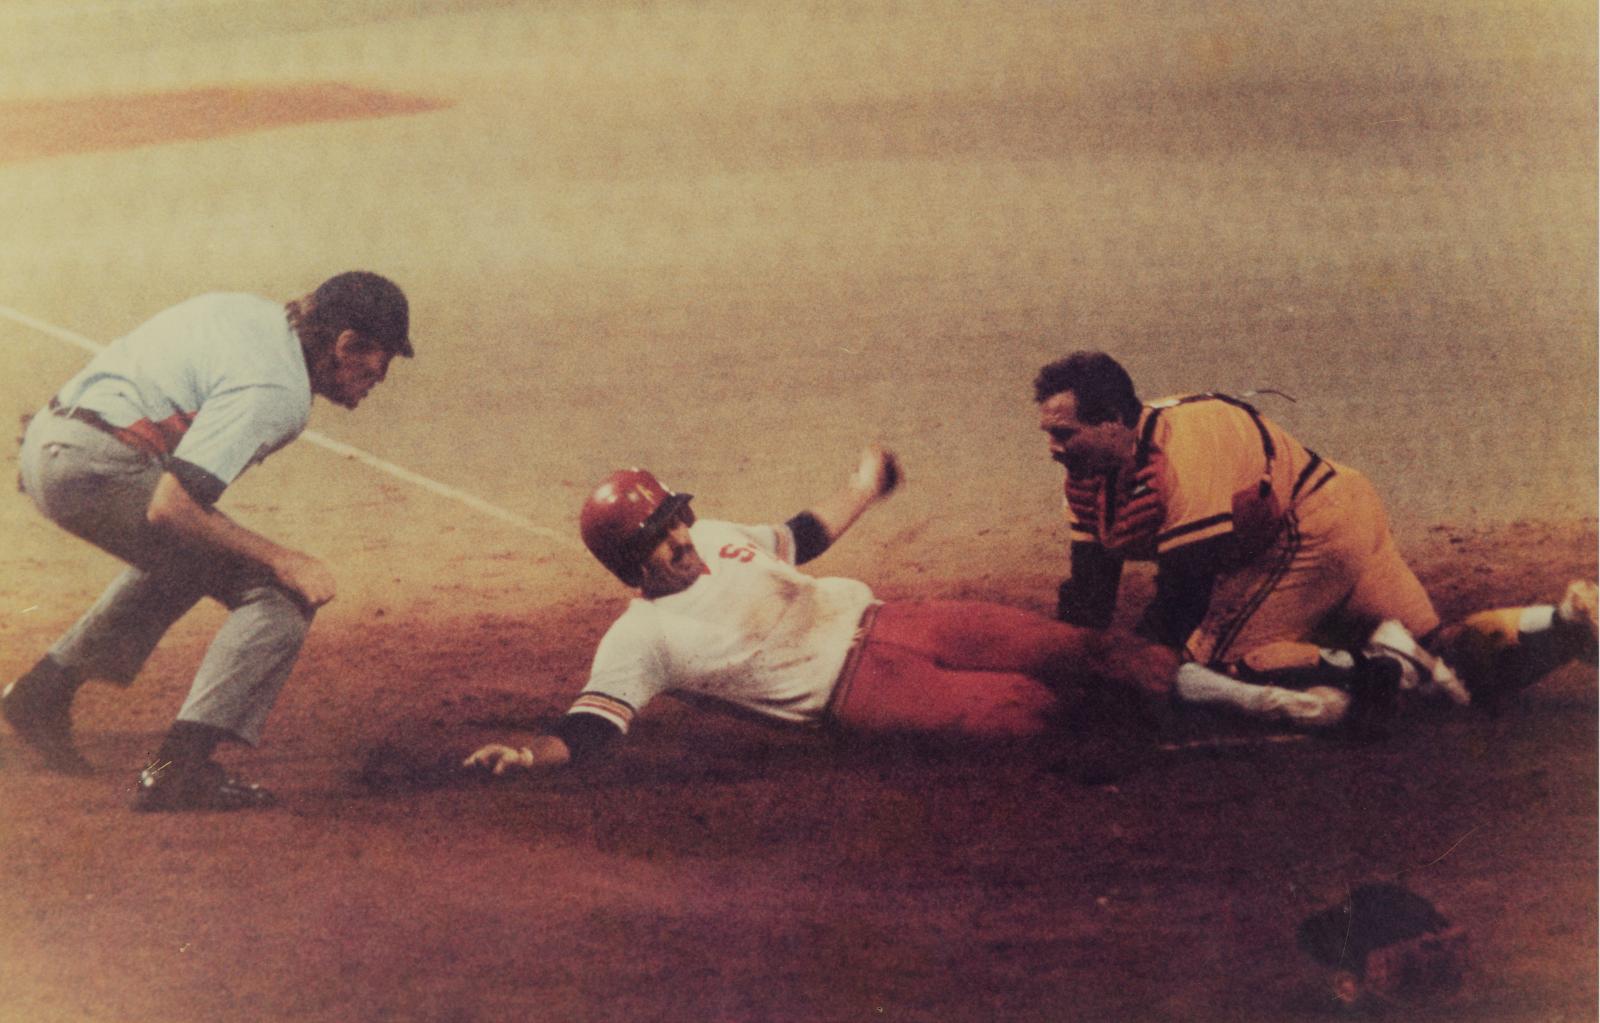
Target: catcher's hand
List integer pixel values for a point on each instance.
(498, 759)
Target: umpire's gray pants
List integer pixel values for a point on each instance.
(95, 487)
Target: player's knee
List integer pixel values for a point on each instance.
(1026, 713)
(1127, 660)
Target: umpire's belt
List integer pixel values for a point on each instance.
(132, 438)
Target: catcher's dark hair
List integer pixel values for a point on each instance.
(359, 300)
(1103, 389)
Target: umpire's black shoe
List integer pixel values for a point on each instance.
(202, 786)
(41, 715)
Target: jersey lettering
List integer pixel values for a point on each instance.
(742, 553)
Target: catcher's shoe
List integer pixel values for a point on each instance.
(1315, 708)
(1420, 671)
(203, 786)
(41, 715)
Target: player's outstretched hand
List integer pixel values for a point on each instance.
(878, 474)
(498, 759)
(545, 753)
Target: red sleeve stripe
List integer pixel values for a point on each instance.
(613, 710)
(159, 437)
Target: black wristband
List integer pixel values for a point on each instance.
(203, 487)
(588, 736)
(810, 537)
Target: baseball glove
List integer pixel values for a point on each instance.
(1126, 520)
(1387, 946)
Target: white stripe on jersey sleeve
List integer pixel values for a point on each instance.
(613, 710)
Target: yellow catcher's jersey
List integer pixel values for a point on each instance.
(1204, 449)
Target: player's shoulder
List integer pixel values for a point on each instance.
(224, 320)
(719, 536)
(707, 531)
(639, 621)
(251, 335)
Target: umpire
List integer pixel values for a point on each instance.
(132, 455)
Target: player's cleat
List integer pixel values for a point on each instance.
(204, 786)
(41, 715)
(1579, 610)
(1317, 707)
(1581, 603)
(1420, 671)
(1501, 652)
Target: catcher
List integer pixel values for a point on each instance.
(723, 617)
(1260, 544)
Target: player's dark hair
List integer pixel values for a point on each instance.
(1103, 389)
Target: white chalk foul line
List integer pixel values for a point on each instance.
(433, 486)
(1234, 742)
(338, 447)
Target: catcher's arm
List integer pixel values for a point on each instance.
(1088, 597)
(1108, 529)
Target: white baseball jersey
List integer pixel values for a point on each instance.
(754, 632)
(218, 381)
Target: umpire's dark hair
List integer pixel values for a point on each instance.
(359, 300)
(1102, 387)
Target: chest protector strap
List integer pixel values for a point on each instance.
(1257, 513)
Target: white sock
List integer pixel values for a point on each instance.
(1537, 619)
(1198, 684)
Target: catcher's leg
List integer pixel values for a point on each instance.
(1304, 686)
(1313, 707)
(1499, 653)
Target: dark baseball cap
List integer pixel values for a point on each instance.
(370, 304)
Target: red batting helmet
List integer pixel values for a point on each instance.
(626, 516)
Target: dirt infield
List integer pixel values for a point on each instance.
(720, 870)
(44, 128)
(734, 243)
